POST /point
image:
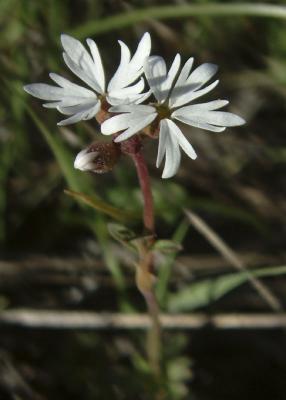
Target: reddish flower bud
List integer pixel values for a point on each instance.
(98, 157)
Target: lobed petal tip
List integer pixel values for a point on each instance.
(26, 88)
(146, 37)
(242, 121)
(65, 36)
(118, 139)
(89, 41)
(79, 162)
(167, 175)
(84, 160)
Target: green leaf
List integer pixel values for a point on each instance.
(121, 233)
(165, 270)
(167, 246)
(203, 293)
(101, 206)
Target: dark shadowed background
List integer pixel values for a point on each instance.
(56, 253)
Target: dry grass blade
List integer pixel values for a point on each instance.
(60, 319)
(222, 247)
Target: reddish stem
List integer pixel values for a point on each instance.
(144, 180)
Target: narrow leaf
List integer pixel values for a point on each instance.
(98, 204)
(203, 293)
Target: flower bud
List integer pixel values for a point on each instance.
(98, 157)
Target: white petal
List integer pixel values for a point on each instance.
(187, 86)
(198, 123)
(185, 72)
(84, 115)
(133, 122)
(209, 106)
(125, 54)
(179, 87)
(136, 126)
(74, 49)
(81, 73)
(116, 81)
(130, 90)
(219, 118)
(48, 92)
(60, 80)
(71, 120)
(130, 69)
(143, 51)
(155, 70)
(161, 147)
(172, 150)
(81, 63)
(98, 67)
(116, 124)
(78, 54)
(203, 74)
(70, 86)
(131, 99)
(191, 94)
(44, 91)
(166, 87)
(140, 98)
(69, 110)
(159, 80)
(183, 142)
(69, 95)
(54, 104)
(132, 108)
(71, 101)
(84, 161)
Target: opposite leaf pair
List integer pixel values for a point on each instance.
(173, 91)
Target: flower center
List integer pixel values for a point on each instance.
(163, 111)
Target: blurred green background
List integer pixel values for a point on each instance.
(57, 254)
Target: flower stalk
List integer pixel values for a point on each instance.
(144, 274)
(144, 180)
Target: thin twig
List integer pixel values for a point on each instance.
(223, 248)
(31, 267)
(58, 320)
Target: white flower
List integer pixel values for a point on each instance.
(171, 95)
(81, 103)
(84, 161)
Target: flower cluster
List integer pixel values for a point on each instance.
(173, 91)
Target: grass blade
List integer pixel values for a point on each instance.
(101, 206)
(220, 245)
(126, 19)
